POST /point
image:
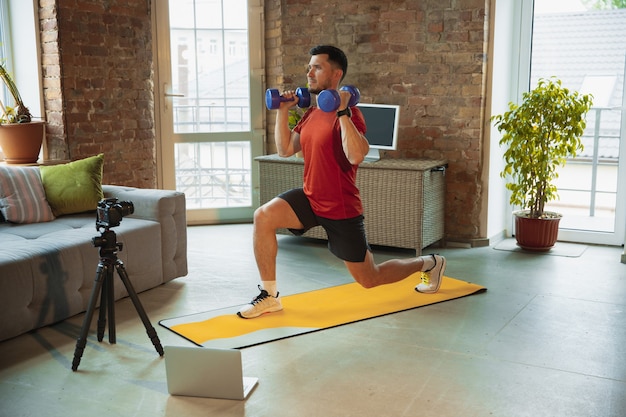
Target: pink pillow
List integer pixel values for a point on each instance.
(22, 197)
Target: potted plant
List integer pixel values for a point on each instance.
(539, 135)
(20, 137)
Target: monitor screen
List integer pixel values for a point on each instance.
(382, 124)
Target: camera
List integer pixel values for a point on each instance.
(110, 212)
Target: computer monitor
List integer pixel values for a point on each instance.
(382, 127)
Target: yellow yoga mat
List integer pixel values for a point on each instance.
(312, 311)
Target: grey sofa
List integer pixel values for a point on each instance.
(47, 270)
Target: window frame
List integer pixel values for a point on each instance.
(23, 63)
(5, 46)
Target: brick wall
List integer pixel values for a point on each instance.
(98, 85)
(428, 56)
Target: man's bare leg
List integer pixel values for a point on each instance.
(369, 274)
(267, 219)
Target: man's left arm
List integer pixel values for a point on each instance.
(354, 143)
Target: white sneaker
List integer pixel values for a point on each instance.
(261, 304)
(431, 279)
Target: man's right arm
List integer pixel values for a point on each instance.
(287, 141)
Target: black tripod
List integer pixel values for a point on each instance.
(103, 285)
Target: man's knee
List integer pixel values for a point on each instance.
(365, 273)
(259, 215)
(365, 280)
(263, 217)
(275, 214)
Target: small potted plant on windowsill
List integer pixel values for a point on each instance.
(539, 135)
(20, 136)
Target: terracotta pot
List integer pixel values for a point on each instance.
(536, 234)
(21, 142)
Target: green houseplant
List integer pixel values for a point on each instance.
(20, 137)
(539, 135)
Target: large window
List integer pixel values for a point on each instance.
(211, 119)
(4, 45)
(210, 67)
(19, 52)
(585, 49)
(584, 46)
(209, 55)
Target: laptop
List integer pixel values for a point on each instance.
(206, 372)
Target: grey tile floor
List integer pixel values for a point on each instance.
(547, 339)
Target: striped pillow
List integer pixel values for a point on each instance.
(22, 197)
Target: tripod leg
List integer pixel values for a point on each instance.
(102, 321)
(142, 313)
(82, 339)
(111, 304)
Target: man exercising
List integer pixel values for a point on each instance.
(333, 145)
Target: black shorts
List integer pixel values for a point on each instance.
(346, 238)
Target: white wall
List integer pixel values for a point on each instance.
(507, 71)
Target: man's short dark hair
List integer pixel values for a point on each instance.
(335, 56)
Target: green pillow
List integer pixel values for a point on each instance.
(74, 187)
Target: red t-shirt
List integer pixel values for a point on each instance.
(329, 178)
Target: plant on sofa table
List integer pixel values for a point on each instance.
(19, 113)
(539, 135)
(20, 137)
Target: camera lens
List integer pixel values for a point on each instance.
(126, 208)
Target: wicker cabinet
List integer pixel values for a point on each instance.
(403, 199)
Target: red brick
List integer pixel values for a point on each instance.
(97, 62)
(427, 55)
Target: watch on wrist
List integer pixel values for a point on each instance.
(344, 112)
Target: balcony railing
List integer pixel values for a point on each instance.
(213, 174)
(587, 185)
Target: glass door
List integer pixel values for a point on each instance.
(585, 49)
(211, 121)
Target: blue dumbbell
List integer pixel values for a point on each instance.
(329, 100)
(273, 98)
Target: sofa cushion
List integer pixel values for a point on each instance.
(22, 196)
(75, 187)
(47, 270)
